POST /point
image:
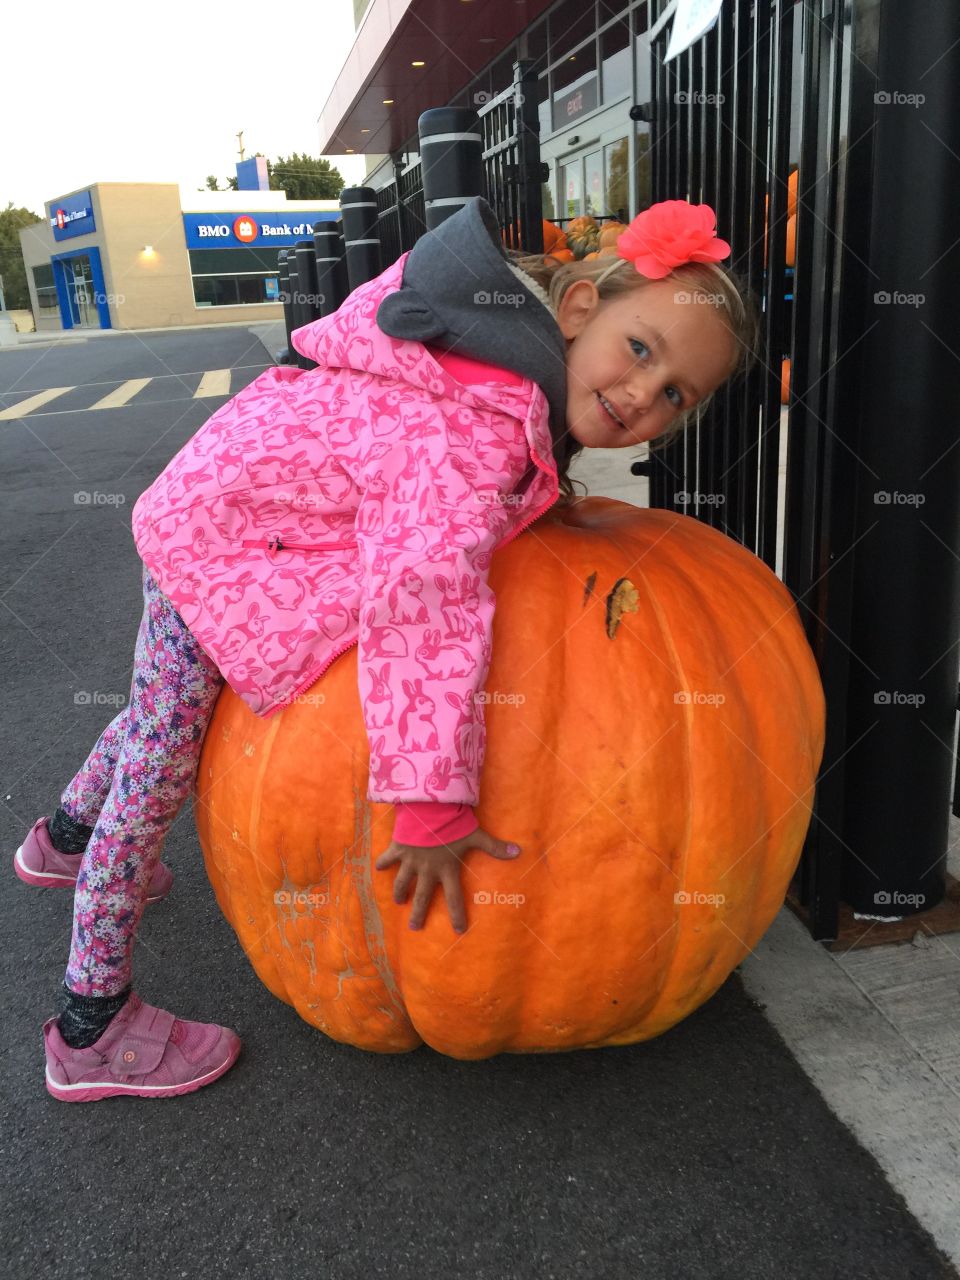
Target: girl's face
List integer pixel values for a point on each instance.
(650, 353)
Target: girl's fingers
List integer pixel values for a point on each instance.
(498, 848)
(453, 892)
(387, 858)
(401, 885)
(421, 900)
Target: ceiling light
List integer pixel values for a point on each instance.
(418, 64)
(364, 130)
(387, 102)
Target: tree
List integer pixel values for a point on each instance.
(15, 291)
(304, 178)
(213, 185)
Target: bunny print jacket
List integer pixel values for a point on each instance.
(356, 503)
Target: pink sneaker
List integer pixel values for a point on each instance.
(145, 1052)
(38, 863)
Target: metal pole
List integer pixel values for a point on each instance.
(284, 274)
(906, 587)
(361, 238)
(451, 160)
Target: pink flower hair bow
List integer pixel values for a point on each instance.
(669, 234)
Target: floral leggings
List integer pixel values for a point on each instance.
(131, 788)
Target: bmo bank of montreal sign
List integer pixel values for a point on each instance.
(230, 230)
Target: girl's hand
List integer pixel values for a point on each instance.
(433, 864)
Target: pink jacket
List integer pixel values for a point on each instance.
(357, 503)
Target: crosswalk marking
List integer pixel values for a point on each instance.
(214, 383)
(32, 402)
(120, 395)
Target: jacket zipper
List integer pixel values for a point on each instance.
(274, 544)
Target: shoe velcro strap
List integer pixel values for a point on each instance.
(137, 1054)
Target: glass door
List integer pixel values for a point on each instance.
(571, 188)
(81, 291)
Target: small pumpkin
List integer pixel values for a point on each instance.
(583, 235)
(785, 381)
(560, 255)
(667, 669)
(553, 236)
(610, 233)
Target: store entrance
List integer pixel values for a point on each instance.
(596, 182)
(81, 292)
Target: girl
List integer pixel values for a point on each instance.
(360, 503)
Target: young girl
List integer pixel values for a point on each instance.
(361, 502)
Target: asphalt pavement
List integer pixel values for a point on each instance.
(705, 1154)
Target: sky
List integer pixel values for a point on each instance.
(124, 92)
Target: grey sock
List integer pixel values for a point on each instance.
(83, 1019)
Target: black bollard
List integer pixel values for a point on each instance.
(451, 161)
(331, 270)
(361, 241)
(305, 297)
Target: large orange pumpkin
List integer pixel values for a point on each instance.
(654, 722)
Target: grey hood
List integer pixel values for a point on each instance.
(461, 293)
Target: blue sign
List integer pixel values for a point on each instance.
(71, 216)
(230, 230)
(272, 288)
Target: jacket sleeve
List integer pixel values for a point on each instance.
(433, 822)
(425, 617)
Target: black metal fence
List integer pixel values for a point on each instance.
(861, 571)
(878, 595)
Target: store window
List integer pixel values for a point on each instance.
(642, 53)
(501, 73)
(571, 22)
(616, 158)
(537, 46)
(615, 61)
(546, 191)
(234, 277)
(47, 304)
(543, 106)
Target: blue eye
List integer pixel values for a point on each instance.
(636, 342)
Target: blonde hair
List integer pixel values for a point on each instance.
(613, 277)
